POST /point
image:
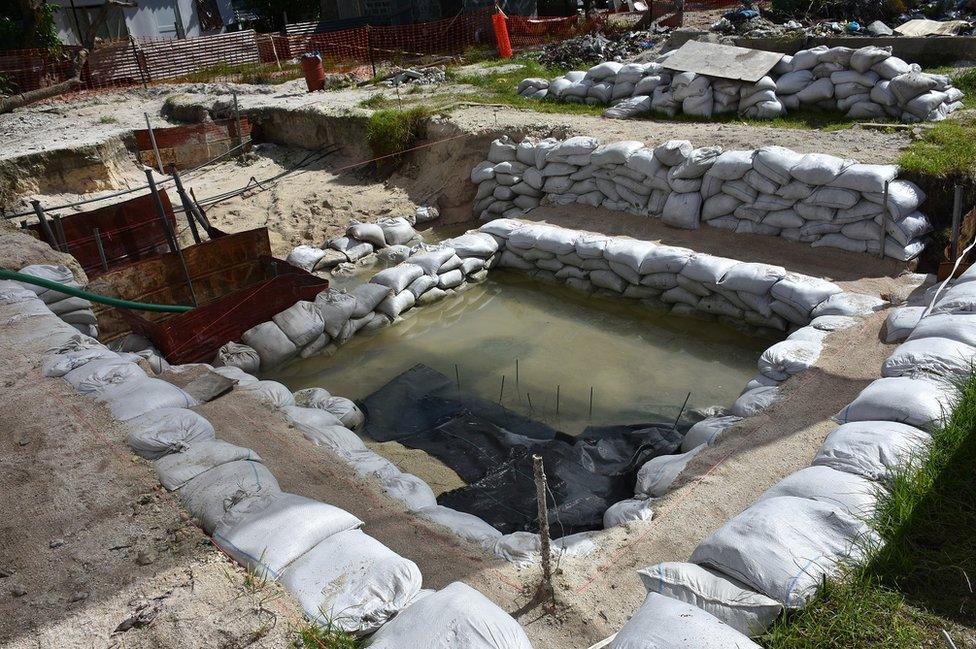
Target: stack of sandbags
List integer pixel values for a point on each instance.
(361, 240)
(75, 311)
(677, 278)
(814, 198)
(429, 273)
(866, 83)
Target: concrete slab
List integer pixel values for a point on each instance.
(724, 61)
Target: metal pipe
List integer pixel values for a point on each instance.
(101, 249)
(152, 138)
(187, 206)
(45, 226)
(457, 375)
(93, 297)
(591, 403)
(170, 234)
(240, 134)
(501, 392)
(59, 232)
(956, 221)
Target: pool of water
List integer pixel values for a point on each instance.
(543, 340)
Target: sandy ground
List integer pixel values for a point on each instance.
(91, 545)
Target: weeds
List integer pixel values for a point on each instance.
(253, 73)
(330, 636)
(919, 580)
(392, 131)
(945, 149)
(107, 119)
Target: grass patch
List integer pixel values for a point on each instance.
(919, 581)
(107, 119)
(947, 148)
(330, 636)
(390, 131)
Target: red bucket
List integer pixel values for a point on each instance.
(313, 71)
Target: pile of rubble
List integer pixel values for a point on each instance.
(750, 23)
(420, 77)
(596, 48)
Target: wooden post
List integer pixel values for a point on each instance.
(545, 549)
(152, 138)
(884, 220)
(369, 48)
(101, 249)
(956, 221)
(240, 134)
(174, 244)
(135, 56)
(45, 226)
(59, 232)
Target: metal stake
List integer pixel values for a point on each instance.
(557, 399)
(884, 220)
(174, 244)
(152, 138)
(457, 375)
(517, 393)
(545, 588)
(45, 226)
(101, 249)
(187, 206)
(369, 47)
(135, 55)
(956, 220)
(501, 391)
(590, 416)
(529, 397)
(59, 232)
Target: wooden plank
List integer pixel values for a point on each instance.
(925, 27)
(723, 61)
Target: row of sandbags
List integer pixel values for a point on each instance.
(864, 83)
(686, 282)
(393, 235)
(812, 198)
(76, 311)
(775, 553)
(340, 575)
(429, 273)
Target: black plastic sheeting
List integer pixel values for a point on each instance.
(491, 449)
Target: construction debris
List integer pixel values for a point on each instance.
(421, 77)
(596, 48)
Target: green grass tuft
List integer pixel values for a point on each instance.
(330, 636)
(392, 131)
(947, 148)
(919, 580)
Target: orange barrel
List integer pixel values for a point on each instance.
(500, 26)
(314, 72)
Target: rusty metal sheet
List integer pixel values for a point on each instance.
(130, 231)
(723, 61)
(925, 27)
(191, 145)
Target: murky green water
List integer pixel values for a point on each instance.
(639, 363)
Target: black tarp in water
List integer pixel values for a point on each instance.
(491, 449)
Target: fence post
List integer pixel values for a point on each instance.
(152, 139)
(135, 55)
(956, 221)
(545, 588)
(369, 48)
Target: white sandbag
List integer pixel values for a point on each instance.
(666, 623)
(395, 254)
(915, 402)
(236, 374)
(656, 476)
(215, 493)
(166, 430)
(474, 244)
(368, 296)
(639, 104)
(959, 327)
(731, 165)
(397, 230)
(519, 548)
(937, 359)
(271, 394)
(352, 581)
(271, 343)
(322, 428)
(707, 431)
(312, 398)
(609, 280)
(399, 277)
(100, 374)
(345, 410)
(775, 163)
(803, 292)
(755, 401)
(745, 610)
(873, 449)
(455, 616)
(784, 546)
(237, 355)
(891, 67)
(305, 257)
(819, 168)
(371, 233)
(394, 305)
(908, 228)
(682, 210)
(577, 145)
(450, 279)
(788, 357)
(673, 152)
(336, 307)
(855, 494)
(849, 304)
(616, 153)
(901, 322)
(268, 534)
(57, 365)
(809, 333)
(904, 197)
(141, 395)
(467, 526)
(627, 511)
(818, 91)
(176, 469)
(302, 322)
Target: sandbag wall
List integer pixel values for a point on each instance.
(866, 83)
(307, 545)
(76, 311)
(812, 198)
(809, 525)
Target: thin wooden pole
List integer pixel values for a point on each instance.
(187, 205)
(545, 548)
(45, 226)
(884, 220)
(590, 414)
(956, 221)
(101, 249)
(457, 376)
(240, 134)
(59, 232)
(501, 391)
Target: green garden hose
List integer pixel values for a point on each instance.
(93, 297)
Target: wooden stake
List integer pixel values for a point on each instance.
(545, 549)
(101, 249)
(152, 138)
(45, 226)
(501, 392)
(956, 221)
(884, 220)
(170, 234)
